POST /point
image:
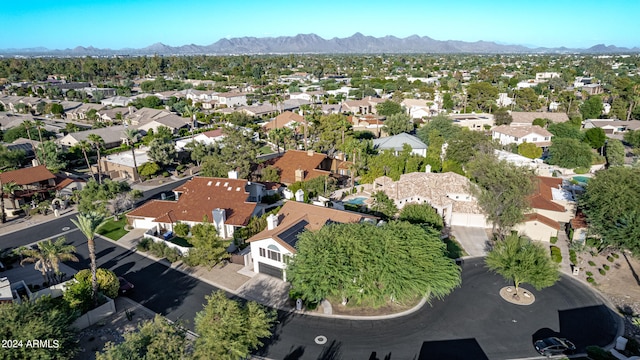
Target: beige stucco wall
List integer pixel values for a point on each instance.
(536, 230)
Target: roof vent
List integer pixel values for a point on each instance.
(237, 189)
(209, 183)
(218, 183)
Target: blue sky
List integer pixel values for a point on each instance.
(60, 24)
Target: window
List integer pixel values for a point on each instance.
(271, 252)
(534, 139)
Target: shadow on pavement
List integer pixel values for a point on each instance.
(461, 349)
(591, 325)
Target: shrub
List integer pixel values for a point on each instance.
(633, 346)
(78, 296)
(108, 282)
(591, 263)
(573, 257)
(602, 272)
(615, 255)
(590, 280)
(580, 170)
(554, 239)
(181, 229)
(172, 254)
(610, 259)
(606, 267)
(589, 273)
(270, 199)
(598, 353)
(556, 255)
(143, 245)
(165, 174)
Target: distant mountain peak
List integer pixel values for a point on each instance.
(357, 43)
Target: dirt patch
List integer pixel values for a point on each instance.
(354, 310)
(617, 276)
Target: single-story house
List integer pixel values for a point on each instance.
(113, 136)
(206, 138)
(527, 117)
(120, 165)
(449, 193)
(396, 144)
(227, 203)
(286, 119)
(369, 122)
(364, 106)
(518, 134)
(299, 165)
(611, 126)
(476, 122)
(272, 248)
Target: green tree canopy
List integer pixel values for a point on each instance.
(465, 144)
(529, 150)
(44, 319)
(229, 330)
(421, 214)
(398, 123)
(382, 205)
(595, 137)
(614, 152)
(611, 204)
(502, 116)
(208, 248)
(443, 124)
(154, 339)
(632, 137)
(108, 282)
(565, 130)
(522, 261)
(52, 155)
(502, 190)
(592, 108)
(162, 152)
(369, 264)
(570, 153)
(481, 96)
(388, 108)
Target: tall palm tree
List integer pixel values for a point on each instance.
(85, 146)
(55, 252)
(132, 137)
(3, 214)
(96, 141)
(11, 188)
(89, 223)
(39, 125)
(36, 257)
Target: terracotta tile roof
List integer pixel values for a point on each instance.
(199, 197)
(543, 197)
(542, 219)
(283, 120)
(316, 217)
(213, 133)
(579, 221)
(62, 183)
(26, 176)
(292, 160)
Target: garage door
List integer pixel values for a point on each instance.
(269, 270)
(144, 223)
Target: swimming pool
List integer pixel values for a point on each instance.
(356, 201)
(581, 179)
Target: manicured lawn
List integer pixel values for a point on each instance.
(180, 241)
(265, 150)
(114, 230)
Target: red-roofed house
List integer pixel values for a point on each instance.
(551, 205)
(287, 118)
(227, 203)
(298, 165)
(272, 248)
(32, 180)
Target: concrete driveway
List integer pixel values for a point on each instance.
(472, 239)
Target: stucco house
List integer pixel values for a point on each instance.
(272, 248)
(227, 203)
(476, 122)
(363, 107)
(206, 138)
(449, 193)
(507, 134)
(113, 136)
(299, 165)
(396, 144)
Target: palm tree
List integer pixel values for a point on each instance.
(89, 223)
(57, 251)
(85, 146)
(37, 257)
(96, 141)
(3, 215)
(11, 188)
(132, 137)
(39, 125)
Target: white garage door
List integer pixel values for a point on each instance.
(470, 220)
(143, 223)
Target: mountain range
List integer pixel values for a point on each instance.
(314, 44)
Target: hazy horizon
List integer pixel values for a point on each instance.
(119, 24)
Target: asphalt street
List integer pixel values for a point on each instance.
(473, 322)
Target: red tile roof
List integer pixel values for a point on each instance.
(213, 133)
(199, 197)
(27, 176)
(292, 212)
(283, 119)
(293, 160)
(543, 197)
(542, 219)
(579, 221)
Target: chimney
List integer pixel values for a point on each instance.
(233, 174)
(310, 152)
(219, 219)
(427, 168)
(300, 195)
(299, 175)
(272, 222)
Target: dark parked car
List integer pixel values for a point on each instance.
(554, 346)
(125, 286)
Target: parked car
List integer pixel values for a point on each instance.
(554, 346)
(125, 286)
